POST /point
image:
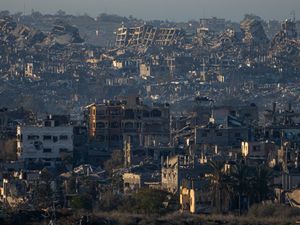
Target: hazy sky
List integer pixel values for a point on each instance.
(163, 9)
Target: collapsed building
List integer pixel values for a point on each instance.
(285, 46)
(147, 35)
(213, 24)
(287, 32)
(22, 36)
(19, 35)
(177, 169)
(254, 33)
(141, 176)
(174, 170)
(64, 33)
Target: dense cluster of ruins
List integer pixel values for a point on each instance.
(91, 111)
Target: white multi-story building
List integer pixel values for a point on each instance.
(49, 144)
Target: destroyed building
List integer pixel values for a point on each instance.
(285, 47)
(146, 35)
(253, 31)
(177, 169)
(109, 123)
(213, 24)
(287, 32)
(47, 145)
(63, 33)
(141, 176)
(224, 67)
(173, 171)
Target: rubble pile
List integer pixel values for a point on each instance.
(253, 32)
(64, 33)
(18, 34)
(23, 36)
(160, 60)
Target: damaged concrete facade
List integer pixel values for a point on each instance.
(147, 35)
(50, 145)
(174, 170)
(111, 122)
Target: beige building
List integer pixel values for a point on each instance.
(145, 70)
(132, 182)
(187, 198)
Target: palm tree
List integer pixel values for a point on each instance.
(219, 183)
(240, 180)
(262, 182)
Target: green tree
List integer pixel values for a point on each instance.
(240, 180)
(84, 202)
(219, 183)
(146, 201)
(262, 183)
